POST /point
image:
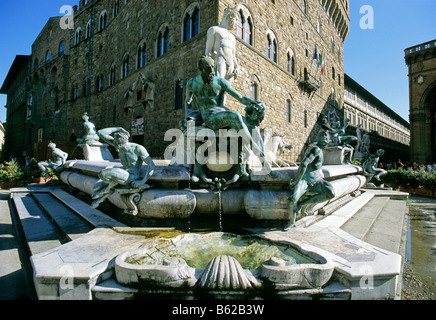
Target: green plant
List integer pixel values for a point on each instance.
(10, 171)
(410, 179)
(357, 163)
(32, 170)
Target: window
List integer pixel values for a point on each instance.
(36, 64)
(88, 30)
(102, 21)
(77, 36)
(245, 28)
(125, 69)
(274, 51)
(141, 58)
(333, 73)
(191, 25)
(305, 119)
(304, 7)
(288, 111)
(62, 47)
(179, 94)
(187, 28)
(268, 47)
(254, 90)
(99, 83)
(48, 56)
(112, 75)
(75, 91)
(291, 63)
(86, 88)
(29, 107)
(115, 9)
(163, 44)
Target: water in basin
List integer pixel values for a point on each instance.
(198, 251)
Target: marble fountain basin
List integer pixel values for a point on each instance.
(221, 261)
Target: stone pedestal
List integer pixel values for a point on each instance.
(337, 155)
(96, 152)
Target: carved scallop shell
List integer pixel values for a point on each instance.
(226, 273)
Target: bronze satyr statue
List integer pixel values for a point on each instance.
(310, 179)
(131, 175)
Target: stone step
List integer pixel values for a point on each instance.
(112, 290)
(67, 221)
(91, 215)
(39, 232)
(386, 232)
(361, 223)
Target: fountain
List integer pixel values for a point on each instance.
(219, 262)
(218, 165)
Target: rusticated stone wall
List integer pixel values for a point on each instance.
(292, 110)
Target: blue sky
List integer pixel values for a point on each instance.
(375, 57)
(372, 57)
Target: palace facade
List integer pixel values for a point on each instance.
(125, 63)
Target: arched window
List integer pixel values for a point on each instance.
(191, 24)
(187, 28)
(88, 30)
(304, 7)
(163, 42)
(62, 47)
(77, 36)
(125, 68)
(141, 58)
(271, 48)
(291, 63)
(115, 9)
(48, 56)
(99, 83)
(102, 21)
(112, 75)
(245, 28)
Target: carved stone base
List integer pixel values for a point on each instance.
(131, 198)
(337, 155)
(97, 152)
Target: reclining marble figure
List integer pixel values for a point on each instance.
(59, 158)
(131, 175)
(310, 179)
(90, 135)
